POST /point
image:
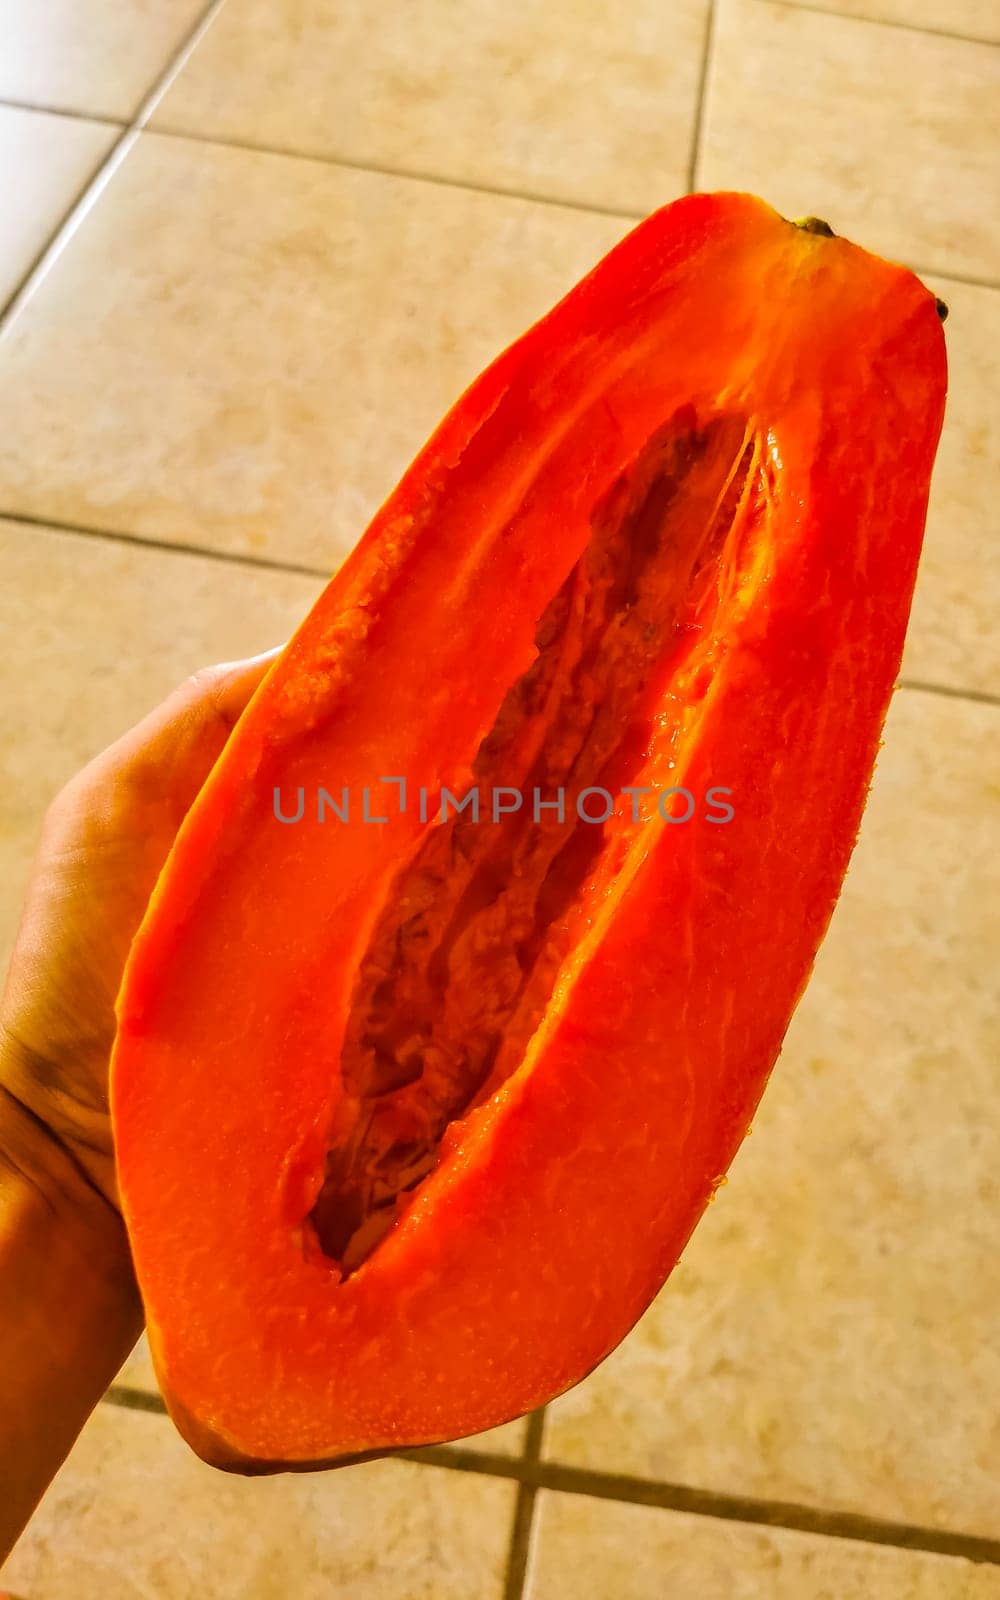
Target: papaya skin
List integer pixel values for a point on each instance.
(758, 404)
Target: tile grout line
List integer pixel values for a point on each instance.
(128, 1398)
(66, 226)
(254, 563)
(884, 22)
(440, 180)
(657, 1494)
(524, 1509)
(981, 697)
(100, 118)
(176, 63)
(701, 97)
(970, 279)
(237, 558)
(409, 174)
(98, 180)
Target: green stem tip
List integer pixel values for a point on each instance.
(815, 225)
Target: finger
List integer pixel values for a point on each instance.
(225, 690)
(210, 701)
(173, 749)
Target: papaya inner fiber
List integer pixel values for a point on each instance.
(464, 955)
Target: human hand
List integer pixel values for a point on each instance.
(69, 1307)
(104, 841)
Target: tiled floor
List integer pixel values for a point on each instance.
(172, 1527)
(318, 234)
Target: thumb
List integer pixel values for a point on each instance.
(170, 753)
(224, 690)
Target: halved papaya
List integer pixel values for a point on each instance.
(417, 1104)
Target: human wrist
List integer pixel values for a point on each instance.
(69, 1308)
(46, 1189)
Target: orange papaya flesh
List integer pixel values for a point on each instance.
(414, 1117)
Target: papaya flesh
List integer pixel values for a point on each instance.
(414, 1116)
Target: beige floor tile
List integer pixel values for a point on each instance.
(608, 1551)
(245, 350)
(891, 135)
(97, 56)
(573, 100)
(137, 1373)
(45, 162)
(953, 637)
(134, 1515)
(830, 1334)
(98, 632)
(972, 19)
